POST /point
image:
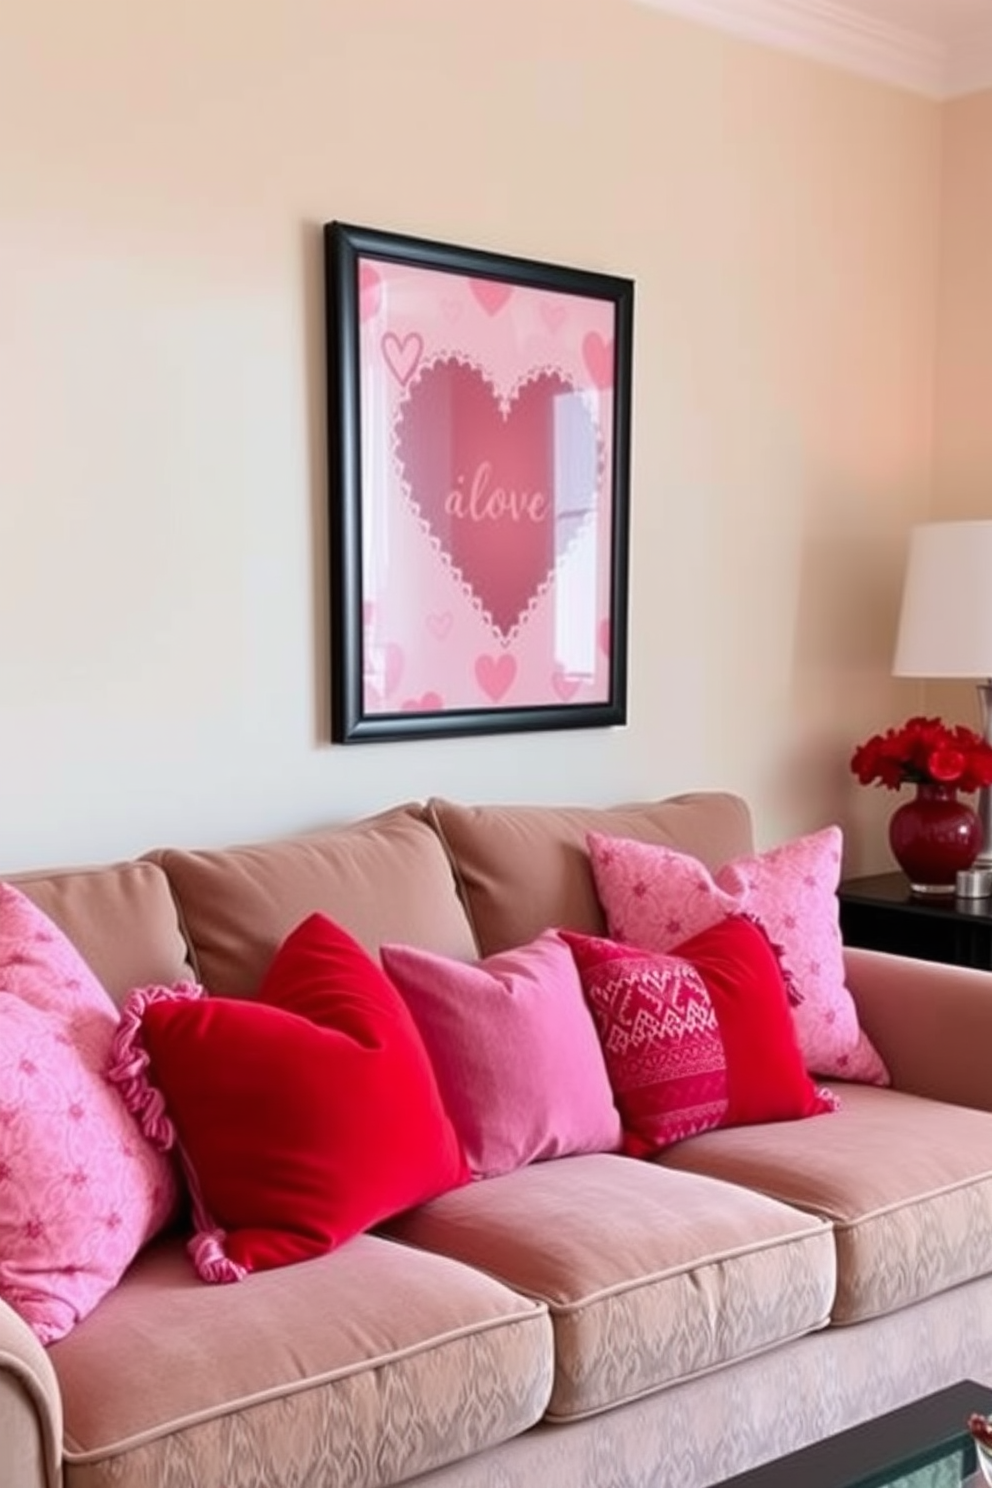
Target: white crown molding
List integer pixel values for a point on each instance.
(969, 63)
(836, 33)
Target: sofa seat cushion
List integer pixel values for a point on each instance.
(650, 1276)
(383, 878)
(905, 1181)
(404, 1360)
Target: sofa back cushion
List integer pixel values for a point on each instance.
(121, 918)
(382, 878)
(524, 869)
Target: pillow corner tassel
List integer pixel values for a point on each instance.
(206, 1250)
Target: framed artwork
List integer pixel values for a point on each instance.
(479, 432)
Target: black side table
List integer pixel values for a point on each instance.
(881, 914)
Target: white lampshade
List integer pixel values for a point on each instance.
(945, 627)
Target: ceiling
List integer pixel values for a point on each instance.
(941, 48)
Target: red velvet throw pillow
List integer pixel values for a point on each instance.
(302, 1117)
(698, 1039)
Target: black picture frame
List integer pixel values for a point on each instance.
(478, 418)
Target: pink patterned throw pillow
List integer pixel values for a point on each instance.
(80, 1189)
(515, 1050)
(654, 897)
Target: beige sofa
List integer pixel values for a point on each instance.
(592, 1320)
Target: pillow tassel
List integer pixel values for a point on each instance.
(206, 1250)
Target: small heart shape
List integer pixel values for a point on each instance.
(565, 684)
(495, 675)
(597, 353)
(369, 291)
(440, 625)
(491, 294)
(402, 354)
(427, 702)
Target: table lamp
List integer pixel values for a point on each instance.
(945, 624)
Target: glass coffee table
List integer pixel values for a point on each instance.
(922, 1445)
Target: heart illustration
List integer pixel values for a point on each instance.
(428, 702)
(491, 294)
(402, 354)
(502, 486)
(369, 291)
(440, 625)
(495, 675)
(597, 354)
(565, 684)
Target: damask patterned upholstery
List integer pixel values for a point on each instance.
(906, 1183)
(649, 1276)
(704, 1430)
(399, 1360)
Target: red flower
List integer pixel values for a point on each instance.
(924, 751)
(947, 765)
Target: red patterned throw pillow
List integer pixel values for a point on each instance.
(697, 1039)
(302, 1117)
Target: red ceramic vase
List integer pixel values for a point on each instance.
(934, 837)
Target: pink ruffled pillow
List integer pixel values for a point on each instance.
(515, 1050)
(81, 1191)
(654, 897)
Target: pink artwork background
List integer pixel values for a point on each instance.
(487, 453)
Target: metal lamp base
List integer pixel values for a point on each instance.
(984, 804)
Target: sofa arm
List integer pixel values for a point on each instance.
(931, 1023)
(30, 1408)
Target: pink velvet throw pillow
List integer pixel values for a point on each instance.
(515, 1050)
(81, 1191)
(655, 897)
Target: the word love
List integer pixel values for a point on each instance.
(484, 499)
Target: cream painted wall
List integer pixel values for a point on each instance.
(963, 446)
(164, 171)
